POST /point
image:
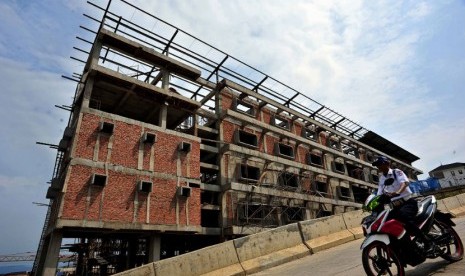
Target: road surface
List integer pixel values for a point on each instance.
(346, 260)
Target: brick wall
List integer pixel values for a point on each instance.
(228, 131)
(129, 160)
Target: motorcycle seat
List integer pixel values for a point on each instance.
(425, 209)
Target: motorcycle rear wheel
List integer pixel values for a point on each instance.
(379, 259)
(453, 250)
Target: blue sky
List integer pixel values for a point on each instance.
(395, 67)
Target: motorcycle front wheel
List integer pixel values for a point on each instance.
(379, 259)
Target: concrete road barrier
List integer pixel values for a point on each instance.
(461, 198)
(270, 248)
(219, 259)
(324, 233)
(460, 209)
(452, 204)
(353, 222)
(442, 206)
(145, 270)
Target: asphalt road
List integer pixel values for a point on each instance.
(346, 259)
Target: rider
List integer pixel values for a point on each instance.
(397, 189)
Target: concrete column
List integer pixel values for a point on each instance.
(87, 91)
(195, 119)
(165, 83)
(162, 116)
(308, 213)
(279, 216)
(222, 163)
(154, 248)
(53, 252)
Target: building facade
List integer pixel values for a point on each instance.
(449, 175)
(158, 159)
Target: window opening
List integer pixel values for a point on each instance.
(249, 173)
(247, 139)
(309, 134)
(321, 188)
(339, 166)
(287, 179)
(281, 122)
(285, 150)
(149, 138)
(145, 186)
(354, 171)
(334, 144)
(210, 218)
(315, 159)
(184, 191)
(185, 146)
(349, 149)
(208, 176)
(245, 108)
(344, 192)
(99, 179)
(106, 127)
(209, 197)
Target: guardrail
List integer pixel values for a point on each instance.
(270, 248)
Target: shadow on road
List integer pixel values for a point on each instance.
(437, 267)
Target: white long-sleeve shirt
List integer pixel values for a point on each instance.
(400, 178)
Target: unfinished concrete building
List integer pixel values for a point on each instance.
(173, 145)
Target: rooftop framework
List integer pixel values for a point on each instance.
(213, 64)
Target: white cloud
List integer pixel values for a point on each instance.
(421, 10)
(29, 116)
(13, 183)
(442, 141)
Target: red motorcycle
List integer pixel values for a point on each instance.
(387, 249)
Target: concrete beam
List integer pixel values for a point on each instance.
(147, 54)
(298, 138)
(130, 171)
(135, 84)
(127, 120)
(281, 108)
(272, 158)
(286, 194)
(112, 226)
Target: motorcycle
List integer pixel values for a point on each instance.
(387, 249)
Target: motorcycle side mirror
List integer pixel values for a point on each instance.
(388, 181)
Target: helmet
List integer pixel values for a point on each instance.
(371, 203)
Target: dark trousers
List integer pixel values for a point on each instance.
(406, 214)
